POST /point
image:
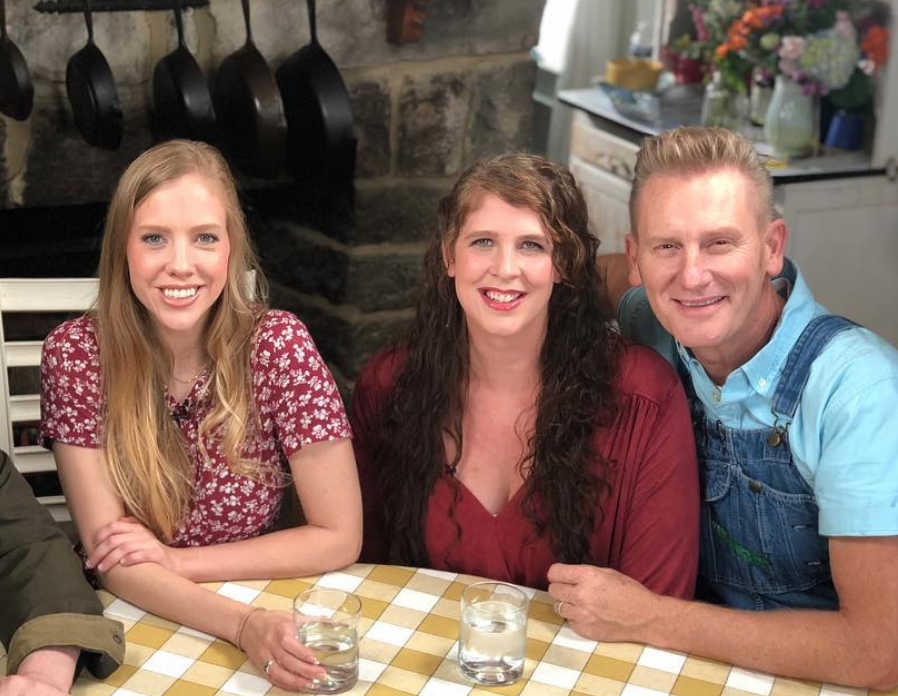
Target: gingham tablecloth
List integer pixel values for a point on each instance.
(409, 631)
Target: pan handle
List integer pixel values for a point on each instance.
(89, 20)
(313, 23)
(179, 22)
(246, 20)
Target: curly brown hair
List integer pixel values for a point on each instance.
(578, 363)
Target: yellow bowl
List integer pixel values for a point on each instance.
(635, 74)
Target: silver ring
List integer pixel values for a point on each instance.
(558, 607)
(267, 666)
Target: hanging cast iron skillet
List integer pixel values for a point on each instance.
(16, 90)
(92, 94)
(181, 98)
(249, 109)
(321, 140)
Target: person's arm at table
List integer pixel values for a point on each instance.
(327, 483)
(856, 645)
(155, 588)
(856, 487)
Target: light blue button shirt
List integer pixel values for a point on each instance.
(844, 438)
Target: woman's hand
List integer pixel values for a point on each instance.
(269, 638)
(127, 542)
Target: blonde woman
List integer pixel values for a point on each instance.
(181, 409)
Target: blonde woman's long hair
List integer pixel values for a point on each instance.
(146, 455)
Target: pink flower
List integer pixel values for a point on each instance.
(791, 48)
(701, 31)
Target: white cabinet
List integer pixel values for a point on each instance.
(843, 233)
(603, 166)
(606, 199)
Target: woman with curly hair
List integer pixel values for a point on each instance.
(181, 410)
(515, 429)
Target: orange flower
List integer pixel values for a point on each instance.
(737, 32)
(740, 30)
(876, 45)
(753, 19)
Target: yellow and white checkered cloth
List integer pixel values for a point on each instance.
(409, 633)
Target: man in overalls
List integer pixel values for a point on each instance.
(796, 427)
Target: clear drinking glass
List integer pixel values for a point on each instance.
(327, 621)
(493, 633)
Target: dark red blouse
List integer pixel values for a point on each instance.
(648, 526)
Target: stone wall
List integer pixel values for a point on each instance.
(424, 112)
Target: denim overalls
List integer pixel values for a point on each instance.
(759, 543)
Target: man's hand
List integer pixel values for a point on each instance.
(602, 604)
(17, 685)
(44, 672)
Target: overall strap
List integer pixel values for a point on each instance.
(815, 337)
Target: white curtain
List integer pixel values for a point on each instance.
(594, 39)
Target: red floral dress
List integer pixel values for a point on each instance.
(295, 396)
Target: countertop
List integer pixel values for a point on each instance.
(681, 105)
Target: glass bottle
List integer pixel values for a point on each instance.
(761, 92)
(722, 106)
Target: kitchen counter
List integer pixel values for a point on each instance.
(682, 105)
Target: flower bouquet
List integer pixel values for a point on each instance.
(831, 48)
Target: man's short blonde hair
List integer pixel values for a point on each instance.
(688, 151)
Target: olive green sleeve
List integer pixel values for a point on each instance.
(46, 598)
(101, 641)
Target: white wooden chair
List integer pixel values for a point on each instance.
(34, 296)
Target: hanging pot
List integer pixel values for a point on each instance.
(249, 109)
(16, 89)
(321, 140)
(92, 93)
(181, 98)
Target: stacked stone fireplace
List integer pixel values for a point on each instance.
(347, 264)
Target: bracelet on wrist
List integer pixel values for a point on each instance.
(243, 622)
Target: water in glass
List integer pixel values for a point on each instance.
(336, 648)
(327, 621)
(492, 641)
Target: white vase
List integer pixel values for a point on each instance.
(789, 124)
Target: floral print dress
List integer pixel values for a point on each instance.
(296, 400)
